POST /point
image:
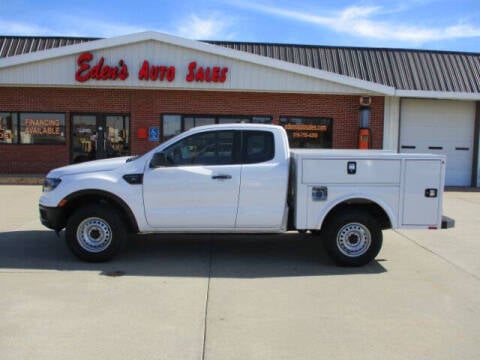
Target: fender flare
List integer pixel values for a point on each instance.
(111, 197)
(357, 196)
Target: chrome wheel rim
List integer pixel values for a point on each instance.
(354, 239)
(94, 235)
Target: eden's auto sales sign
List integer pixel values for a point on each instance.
(99, 70)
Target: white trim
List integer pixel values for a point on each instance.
(199, 46)
(437, 95)
(391, 123)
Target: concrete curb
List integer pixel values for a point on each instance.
(21, 179)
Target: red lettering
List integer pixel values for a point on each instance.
(171, 73)
(113, 73)
(83, 63)
(154, 73)
(143, 73)
(191, 71)
(207, 75)
(104, 72)
(216, 74)
(162, 70)
(123, 70)
(99, 71)
(223, 75)
(95, 72)
(200, 75)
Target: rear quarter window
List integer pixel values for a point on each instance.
(259, 146)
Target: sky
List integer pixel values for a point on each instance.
(412, 24)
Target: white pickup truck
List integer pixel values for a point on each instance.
(243, 178)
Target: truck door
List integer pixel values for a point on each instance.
(199, 185)
(263, 190)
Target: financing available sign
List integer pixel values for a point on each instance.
(38, 127)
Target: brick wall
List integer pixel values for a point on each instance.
(146, 106)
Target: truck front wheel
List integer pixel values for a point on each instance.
(95, 233)
(352, 238)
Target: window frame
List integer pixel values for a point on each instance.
(19, 127)
(236, 148)
(245, 134)
(239, 147)
(100, 118)
(329, 127)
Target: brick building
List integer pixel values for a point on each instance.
(69, 100)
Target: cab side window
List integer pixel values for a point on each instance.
(259, 146)
(210, 148)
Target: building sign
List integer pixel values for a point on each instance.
(146, 72)
(142, 133)
(43, 127)
(308, 132)
(153, 134)
(305, 130)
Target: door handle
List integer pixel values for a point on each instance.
(221, 177)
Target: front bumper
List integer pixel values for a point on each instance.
(52, 217)
(447, 223)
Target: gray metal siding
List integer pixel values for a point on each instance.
(402, 69)
(18, 45)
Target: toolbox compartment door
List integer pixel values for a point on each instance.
(423, 189)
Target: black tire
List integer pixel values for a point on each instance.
(352, 238)
(95, 233)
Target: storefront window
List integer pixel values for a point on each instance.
(99, 136)
(308, 132)
(8, 128)
(117, 135)
(194, 121)
(174, 124)
(42, 128)
(233, 120)
(262, 120)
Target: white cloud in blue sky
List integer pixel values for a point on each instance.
(367, 22)
(410, 23)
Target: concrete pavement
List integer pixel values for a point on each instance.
(238, 297)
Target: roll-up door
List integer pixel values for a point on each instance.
(440, 127)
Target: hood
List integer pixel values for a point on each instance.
(89, 166)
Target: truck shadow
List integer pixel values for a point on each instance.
(222, 256)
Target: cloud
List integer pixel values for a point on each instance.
(363, 22)
(215, 26)
(19, 28)
(69, 26)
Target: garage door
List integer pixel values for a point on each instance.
(440, 127)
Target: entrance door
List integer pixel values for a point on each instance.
(99, 137)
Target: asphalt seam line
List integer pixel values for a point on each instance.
(210, 260)
(438, 255)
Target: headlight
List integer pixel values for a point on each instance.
(51, 183)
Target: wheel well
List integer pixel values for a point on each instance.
(372, 208)
(88, 197)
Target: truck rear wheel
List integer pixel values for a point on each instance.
(95, 233)
(352, 238)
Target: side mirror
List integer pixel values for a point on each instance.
(158, 160)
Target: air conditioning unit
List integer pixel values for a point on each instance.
(365, 100)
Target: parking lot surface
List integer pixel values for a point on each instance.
(239, 297)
